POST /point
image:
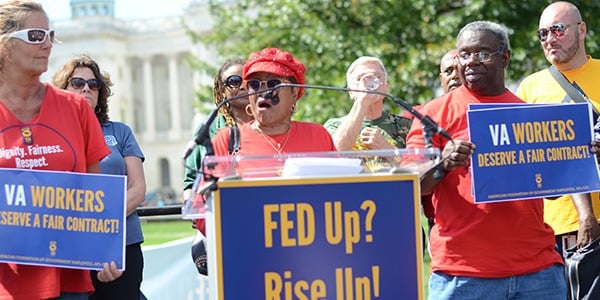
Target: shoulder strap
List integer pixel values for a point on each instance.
(572, 92)
(234, 140)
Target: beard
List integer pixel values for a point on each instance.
(566, 55)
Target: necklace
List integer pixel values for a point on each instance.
(280, 146)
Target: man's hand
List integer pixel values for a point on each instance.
(457, 154)
(373, 139)
(596, 150)
(589, 230)
(588, 225)
(365, 99)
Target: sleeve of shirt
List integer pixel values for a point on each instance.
(332, 125)
(128, 142)
(192, 165)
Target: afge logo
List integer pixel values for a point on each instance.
(110, 140)
(27, 135)
(52, 247)
(538, 180)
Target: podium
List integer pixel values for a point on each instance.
(319, 225)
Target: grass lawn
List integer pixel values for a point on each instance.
(162, 231)
(426, 261)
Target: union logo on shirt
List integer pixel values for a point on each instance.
(110, 140)
(27, 135)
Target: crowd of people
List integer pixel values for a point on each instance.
(476, 253)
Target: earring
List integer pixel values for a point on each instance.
(249, 110)
(293, 108)
(97, 109)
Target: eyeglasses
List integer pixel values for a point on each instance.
(78, 83)
(480, 56)
(557, 30)
(233, 81)
(254, 85)
(33, 35)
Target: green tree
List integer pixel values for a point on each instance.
(409, 36)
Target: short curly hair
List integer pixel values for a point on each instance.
(61, 80)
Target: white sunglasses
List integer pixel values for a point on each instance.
(33, 35)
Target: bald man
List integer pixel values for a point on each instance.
(449, 71)
(561, 34)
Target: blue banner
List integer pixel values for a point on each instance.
(531, 151)
(62, 219)
(327, 238)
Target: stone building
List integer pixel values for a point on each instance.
(153, 84)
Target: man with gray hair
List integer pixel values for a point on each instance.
(482, 251)
(367, 126)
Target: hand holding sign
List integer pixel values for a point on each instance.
(596, 149)
(457, 153)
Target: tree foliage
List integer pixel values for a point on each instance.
(410, 37)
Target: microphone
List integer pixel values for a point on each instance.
(202, 136)
(272, 95)
(429, 126)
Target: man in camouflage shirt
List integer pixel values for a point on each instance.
(367, 126)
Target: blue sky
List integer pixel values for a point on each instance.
(124, 9)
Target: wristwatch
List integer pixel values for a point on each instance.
(439, 172)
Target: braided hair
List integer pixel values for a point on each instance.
(219, 87)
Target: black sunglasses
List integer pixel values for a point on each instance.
(254, 85)
(78, 83)
(233, 81)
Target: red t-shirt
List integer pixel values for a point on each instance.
(481, 240)
(64, 136)
(301, 137)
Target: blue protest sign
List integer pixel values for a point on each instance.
(532, 151)
(62, 219)
(326, 238)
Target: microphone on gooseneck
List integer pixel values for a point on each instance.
(429, 126)
(202, 136)
(272, 95)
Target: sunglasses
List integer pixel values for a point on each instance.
(254, 85)
(78, 83)
(233, 81)
(33, 35)
(557, 30)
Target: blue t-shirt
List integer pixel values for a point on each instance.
(120, 140)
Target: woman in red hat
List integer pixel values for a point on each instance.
(272, 131)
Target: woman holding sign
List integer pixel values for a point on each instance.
(82, 75)
(37, 115)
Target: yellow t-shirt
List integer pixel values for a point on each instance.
(541, 87)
